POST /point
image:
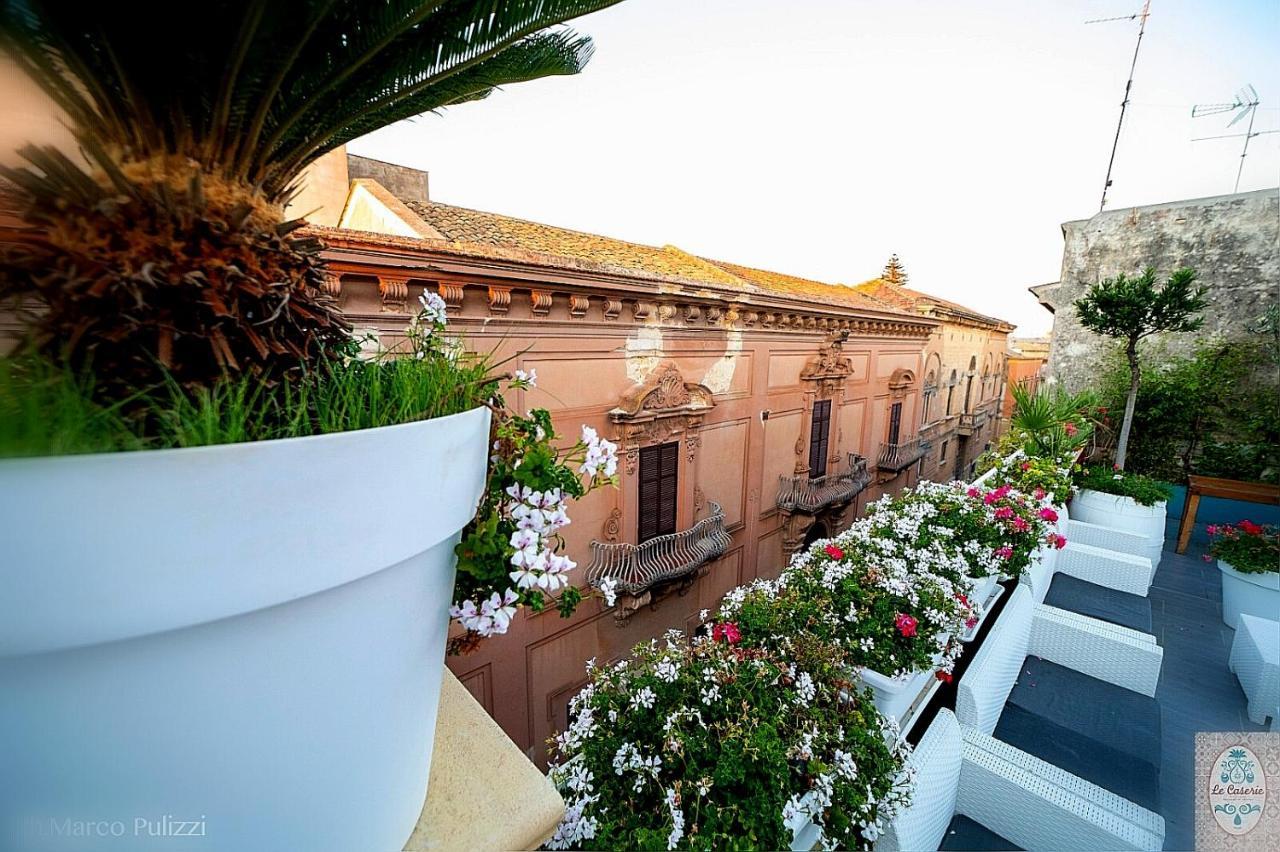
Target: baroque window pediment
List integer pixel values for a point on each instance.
(661, 408)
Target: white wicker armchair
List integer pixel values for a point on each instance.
(1017, 796)
(1104, 651)
(1106, 538)
(1112, 569)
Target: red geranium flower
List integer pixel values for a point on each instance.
(906, 624)
(834, 552)
(1039, 493)
(945, 677)
(1026, 465)
(1250, 527)
(727, 631)
(1049, 515)
(1059, 541)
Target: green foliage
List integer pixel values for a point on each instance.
(716, 744)
(1215, 412)
(1133, 308)
(259, 90)
(1050, 422)
(1130, 308)
(1247, 547)
(47, 410)
(1109, 480)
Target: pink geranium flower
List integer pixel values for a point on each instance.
(1039, 493)
(1070, 428)
(973, 492)
(1049, 515)
(906, 624)
(726, 631)
(1059, 541)
(1020, 524)
(1004, 512)
(1005, 552)
(834, 552)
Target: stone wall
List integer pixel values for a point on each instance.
(1231, 240)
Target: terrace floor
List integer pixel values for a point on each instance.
(1197, 691)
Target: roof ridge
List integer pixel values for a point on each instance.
(435, 203)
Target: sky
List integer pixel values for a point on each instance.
(816, 137)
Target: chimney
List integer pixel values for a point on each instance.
(409, 185)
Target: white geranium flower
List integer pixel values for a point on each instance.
(609, 588)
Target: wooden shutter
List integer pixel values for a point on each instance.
(819, 438)
(895, 422)
(659, 468)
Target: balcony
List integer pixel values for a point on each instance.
(638, 568)
(896, 457)
(801, 493)
(972, 421)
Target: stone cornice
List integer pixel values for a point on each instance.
(590, 293)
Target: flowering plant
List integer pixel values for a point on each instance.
(510, 554)
(716, 743)
(991, 531)
(887, 607)
(1247, 547)
(1046, 478)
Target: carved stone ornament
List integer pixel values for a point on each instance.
(499, 300)
(332, 284)
(395, 294)
(451, 292)
(611, 308)
(659, 409)
(612, 528)
(540, 302)
(578, 305)
(828, 369)
(900, 382)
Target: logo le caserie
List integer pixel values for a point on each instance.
(1237, 790)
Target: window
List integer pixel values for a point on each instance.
(819, 438)
(658, 471)
(942, 456)
(895, 422)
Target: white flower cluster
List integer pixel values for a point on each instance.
(601, 455)
(491, 618)
(433, 311)
(539, 516)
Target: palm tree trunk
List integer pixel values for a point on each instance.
(1135, 375)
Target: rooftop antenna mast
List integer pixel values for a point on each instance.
(1246, 103)
(1141, 17)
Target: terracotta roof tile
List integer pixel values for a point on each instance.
(914, 301)
(463, 225)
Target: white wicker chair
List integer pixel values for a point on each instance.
(1113, 569)
(1104, 651)
(1106, 538)
(1013, 794)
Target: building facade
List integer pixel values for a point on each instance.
(1027, 357)
(1232, 241)
(754, 411)
(965, 372)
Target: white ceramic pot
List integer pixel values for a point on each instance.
(1123, 513)
(1252, 594)
(248, 637)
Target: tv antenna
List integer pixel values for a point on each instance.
(1141, 18)
(1245, 104)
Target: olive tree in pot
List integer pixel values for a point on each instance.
(1129, 309)
(242, 622)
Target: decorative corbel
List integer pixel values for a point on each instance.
(451, 292)
(331, 285)
(499, 299)
(692, 313)
(540, 302)
(611, 308)
(395, 294)
(578, 305)
(642, 310)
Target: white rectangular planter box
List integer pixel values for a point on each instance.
(893, 698)
(249, 635)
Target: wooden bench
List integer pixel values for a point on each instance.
(1212, 486)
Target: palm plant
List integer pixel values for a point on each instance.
(164, 251)
(1052, 421)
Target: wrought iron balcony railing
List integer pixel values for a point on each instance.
(895, 457)
(637, 568)
(813, 494)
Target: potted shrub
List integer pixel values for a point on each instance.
(243, 620)
(1248, 556)
(721, 742)
(1115, 498)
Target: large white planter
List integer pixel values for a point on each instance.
(1123, 513)
(1252, 594)
(248, 637)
